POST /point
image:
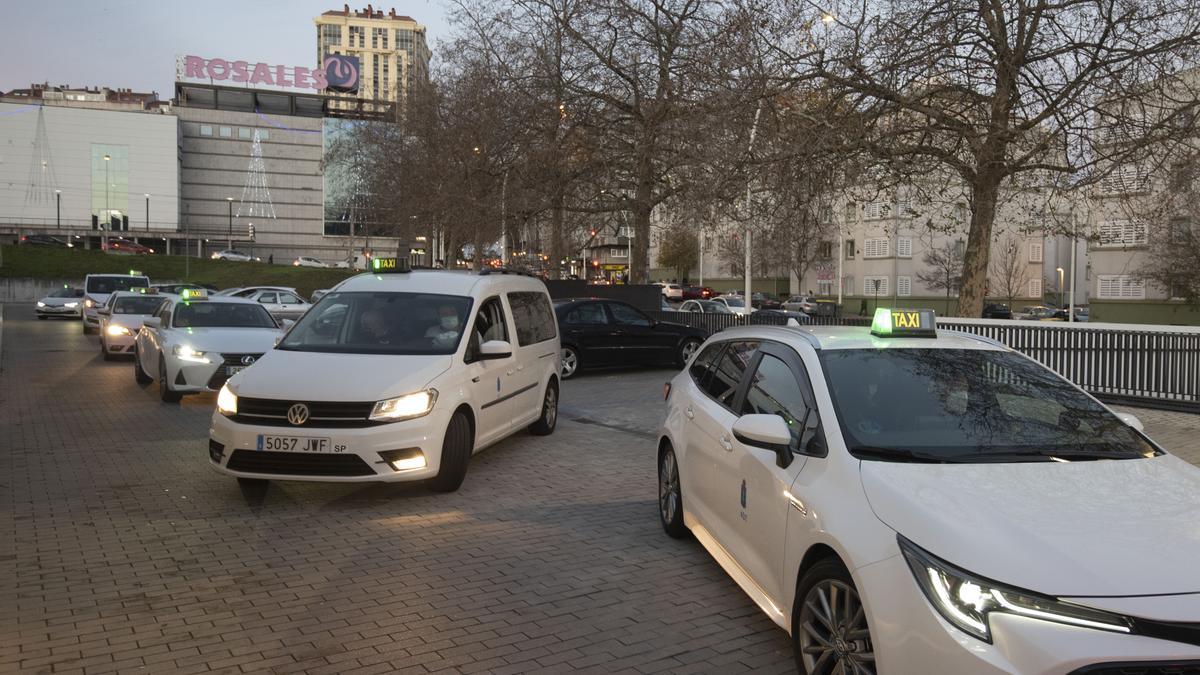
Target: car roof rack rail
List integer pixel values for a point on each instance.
(507, 270)
(974, 336)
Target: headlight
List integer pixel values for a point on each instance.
(114, 329)
(967, 601)
(227, 401)
(186, 353)
(71, 305)
(41, 304)
(404, 407)
(89, 303)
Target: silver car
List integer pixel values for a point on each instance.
(282, 304)
(66, 302)
(801, 303)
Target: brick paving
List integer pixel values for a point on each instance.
(128, 554)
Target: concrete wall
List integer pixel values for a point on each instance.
(1170, 313)
(32, 290)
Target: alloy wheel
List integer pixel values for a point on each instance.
(834, 637)
(550, 407)
(570, 362)
(668, 487)
(689, 348)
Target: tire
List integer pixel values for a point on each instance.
(164, 386)
(456, 454)
(41, 318)
(670, 495)
(86, 330)
(570, 362)
(829, 629)
(544, 426)
(253, 483)
(139, 373)
(686, 349)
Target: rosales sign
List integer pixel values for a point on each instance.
(338, 73)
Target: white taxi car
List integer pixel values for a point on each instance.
(395, 377)
(96, 289)
(121, 319)
(903, 499)
(194, 343)
(65, 301)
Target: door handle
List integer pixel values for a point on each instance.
(475, 379)
(726, 443)
(520, 368)
(689, 413)
(510, 372)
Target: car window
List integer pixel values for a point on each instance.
(722, 385)
(591, 313)
(289, 299)
(775, 390)
(381, 323)
(267, 298)
(690, 306)
(703, 364)
(532, 317)
(490, 324)
(625, 315)
(113, 284)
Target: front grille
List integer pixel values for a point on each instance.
(321, 414)
(216, 451)
(219, 377)
(298, 463)
(1142, 668)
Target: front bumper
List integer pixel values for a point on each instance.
(190, 377)
(91, 318)
(52, 310)
(234, 450)
(911, 637)
(120, 344)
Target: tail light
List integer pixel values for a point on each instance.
(666, 391)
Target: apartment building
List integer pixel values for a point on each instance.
(392, 49)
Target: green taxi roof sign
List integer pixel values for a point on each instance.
(193, 294)
(135, 273)
(904, 323)
(388, 265)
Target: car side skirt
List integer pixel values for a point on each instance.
(733, 569)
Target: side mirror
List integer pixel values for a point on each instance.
(1131, 420)
(286, 324)
(152, 322)
(768, 432)
(494, 349)
(104, 311)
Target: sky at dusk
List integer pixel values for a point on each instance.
(133, 43)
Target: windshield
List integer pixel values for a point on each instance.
(114, 284)
(959, 405)
(140, 305)
(381, 323)
(65, 293)
(735, 302)
(206, 314)
(716, 307)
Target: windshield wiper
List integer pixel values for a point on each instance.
(900, 455)
(1040, 455)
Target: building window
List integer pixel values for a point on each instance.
(1120, 287)
(378, 38)
(1125, 178)
(331, 35)
(876, 248)
(263, 134)
(824, 287)
(1035, 252)
(1122, 232)
(877, 210)
(360, 33)
(206, 130)
(849, 249)
(244, 133)
(875, 286)
(1035, 288)
(904, 248)
(226, 132)
(825, 250)
(618, 253)
(904, 286)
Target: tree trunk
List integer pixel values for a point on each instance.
(557, 246)
(643, 206)
(975, 263)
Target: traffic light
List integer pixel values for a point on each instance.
(251, 230)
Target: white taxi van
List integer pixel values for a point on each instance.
(903, 499)
(97, 288)
(395, 375)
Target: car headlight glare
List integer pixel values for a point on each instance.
(186, 353)
(227, 401)
(114, 329)
(71, 305)
(89, 303)
(405, 407)
(41, 304)
(968, 601)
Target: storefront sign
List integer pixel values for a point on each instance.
(338, 73)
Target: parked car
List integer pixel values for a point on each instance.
(1083, 314)
(801, 303)
(282, 304)
(704, 307)
(305, 261)
(230, 254)
(735, 303)
(1041, 313)
(317, 295)
(598, 333)
(176, 289)
(697, 292)
(764, 301)
(44, 240)
(997, 310)
(672, 291)
(666, 306)
(784, 317)
(126, 246)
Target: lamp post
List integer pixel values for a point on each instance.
(107, 213)
(1062, 297)
(230, 201)
(147, 196)
(58, 209)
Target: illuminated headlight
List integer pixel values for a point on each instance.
(71, 305)
(41, 304)
(114, 329)
(186, 353)
(405, 459)
(89, 303)
(404, 407)
(227, 401)
(968, 601)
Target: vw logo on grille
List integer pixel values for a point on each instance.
(298, 414)
(248, 359)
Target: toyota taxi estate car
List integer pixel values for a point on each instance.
(121, 319)
(96, 289)
(193, 343)
(395, 375)
(903, 499)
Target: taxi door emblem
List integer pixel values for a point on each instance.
(248, 360)
(743, 493)
(298, 414)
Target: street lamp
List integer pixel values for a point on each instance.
(230, 200)
(58, 208)
(107, 213)
(147, 196)
(1062, 298)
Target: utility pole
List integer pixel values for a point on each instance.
(749, 153)
(147, 194)
(58, 210)
(229, 200)
(107, 212)
(504, 220)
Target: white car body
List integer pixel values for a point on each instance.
(1117, 536)
(121, 319)
(499, 394)
(281, 303)
(186, 358)
(67, 303)
(229, 254)
(305, 261)
(725, 300)
(672, 291)
(96, 289)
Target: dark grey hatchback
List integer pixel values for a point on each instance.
(599, 333)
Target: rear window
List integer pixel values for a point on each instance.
(533, 317)
(114, 284)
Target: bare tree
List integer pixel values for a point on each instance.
(1173, 260)
(944, 268)
(988, 90)
(1009, 271)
